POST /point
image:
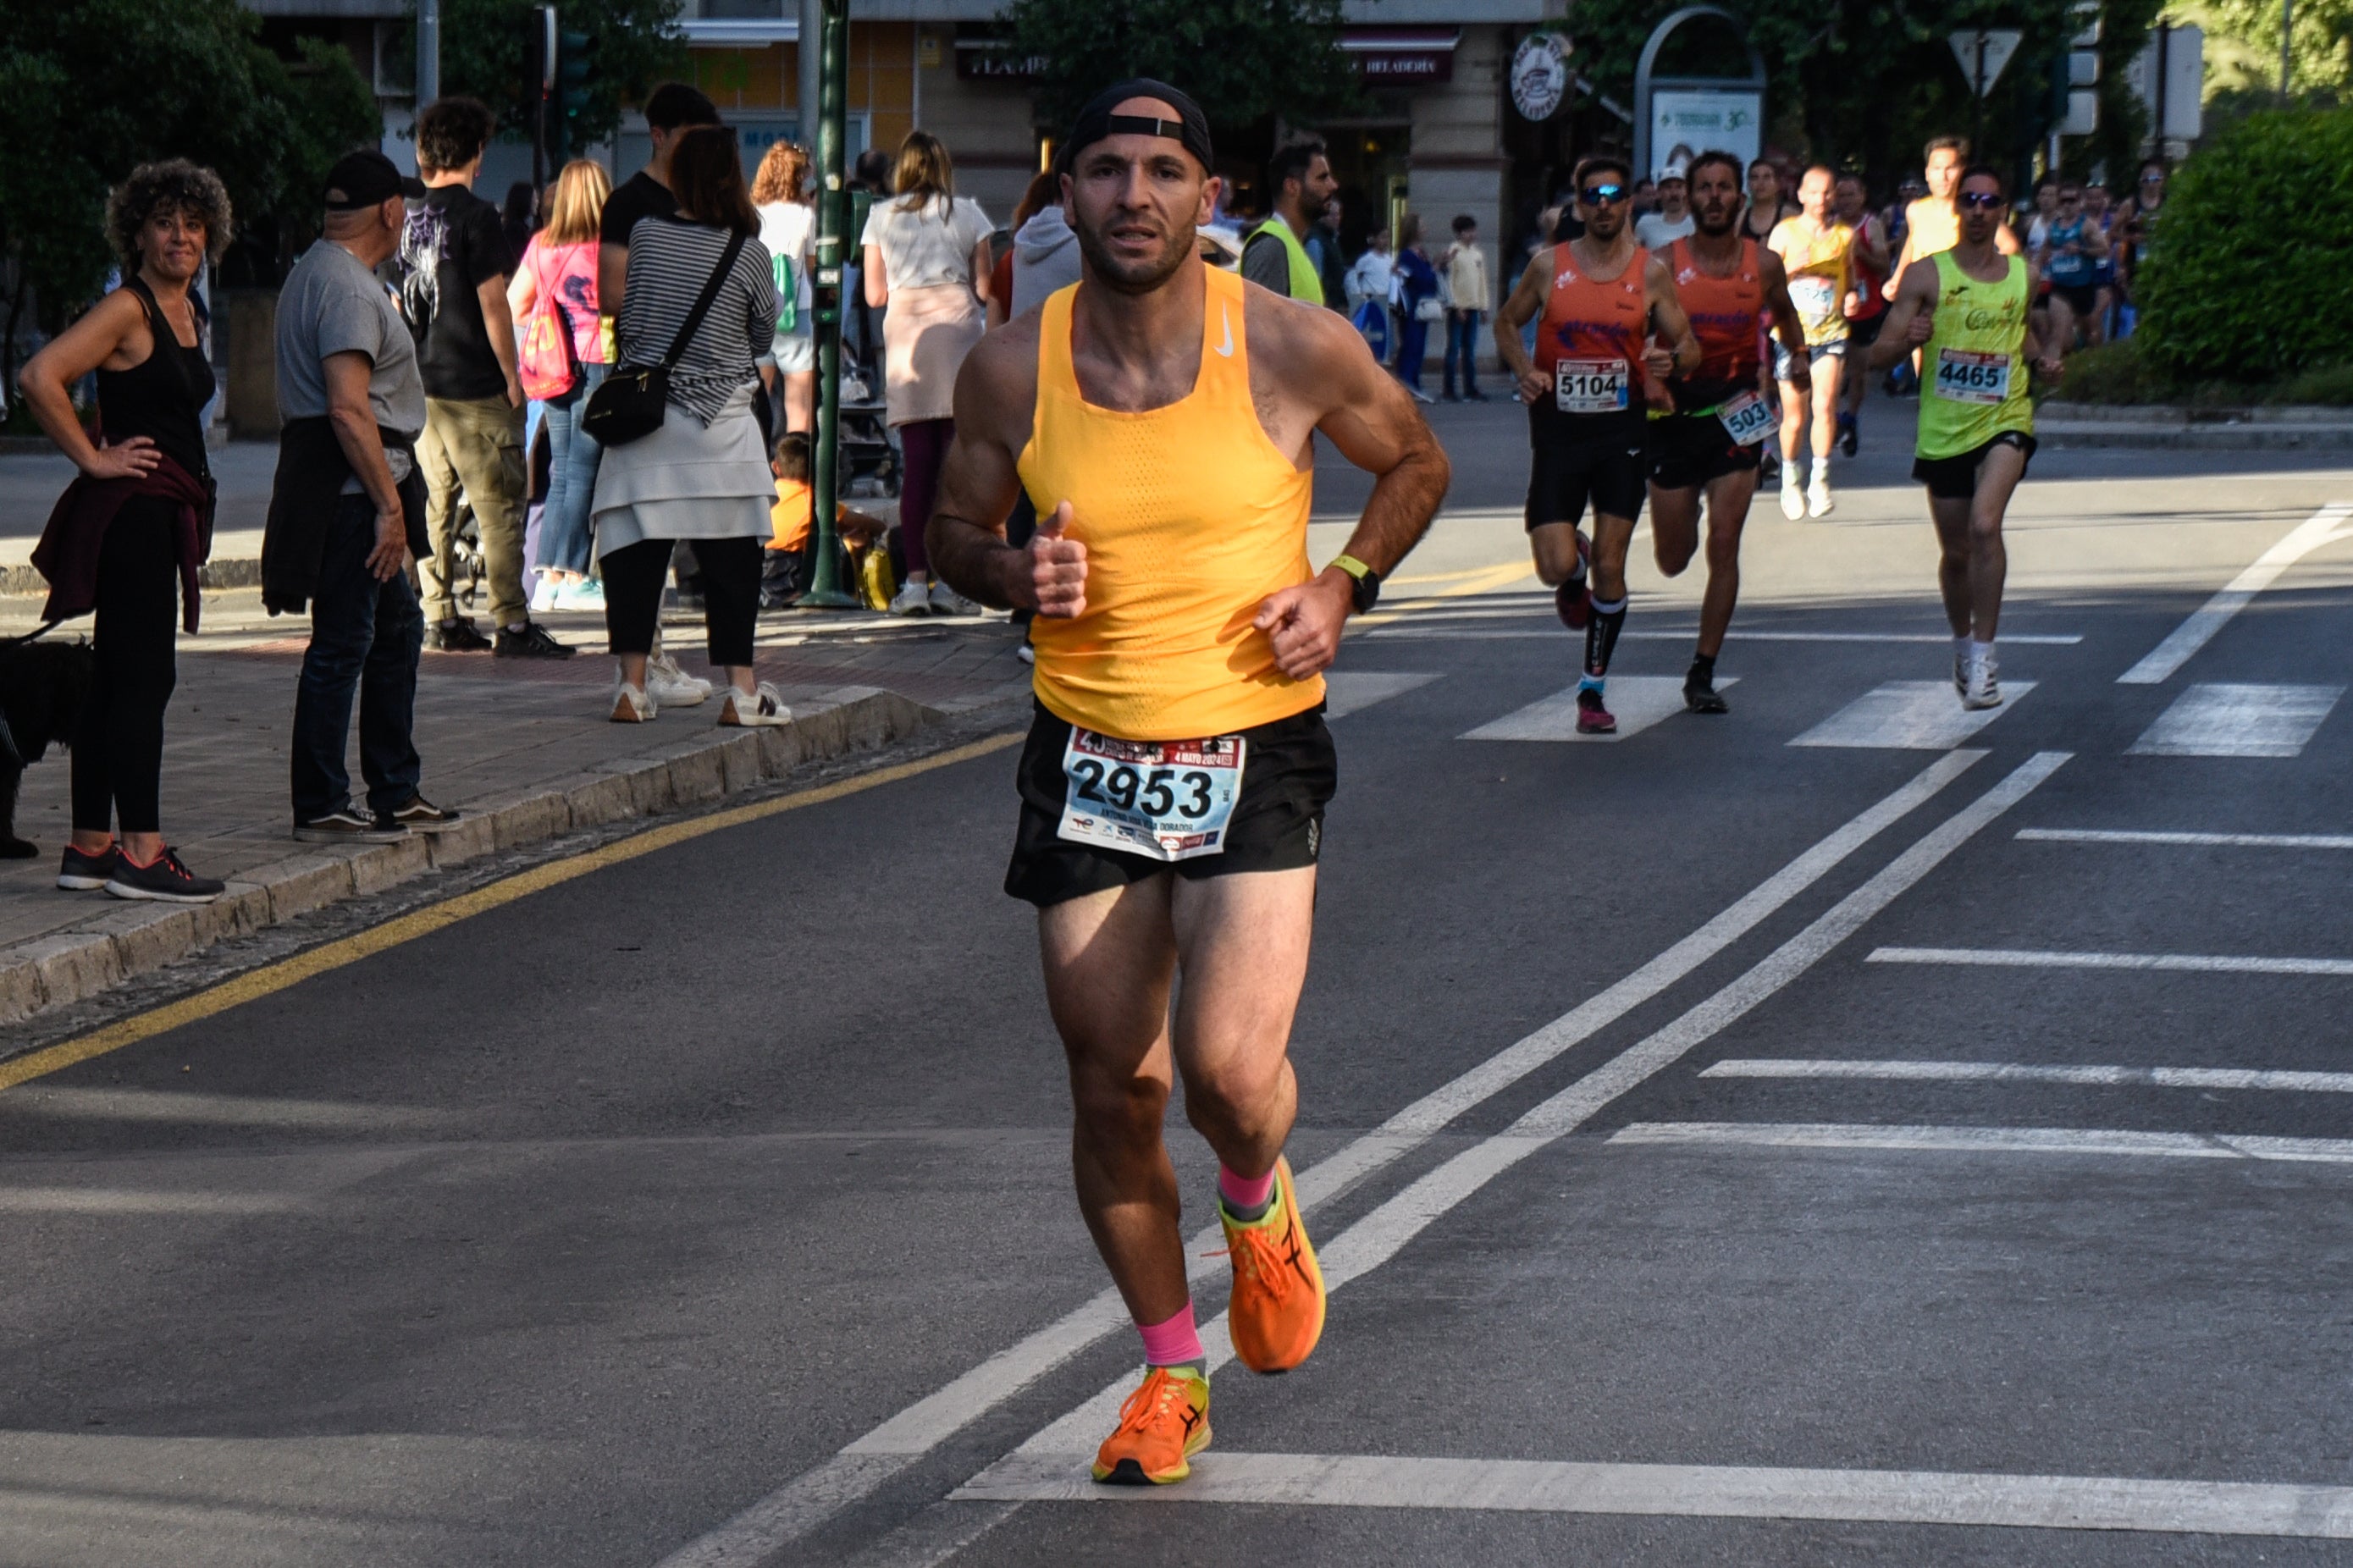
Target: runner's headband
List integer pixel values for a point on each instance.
(1096, 120)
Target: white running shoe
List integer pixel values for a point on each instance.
(631, 705)
(752, 709)
(588, 593)
(946, 601)
(1983, 688)
(1793, 500)
(544, 594)
(670, 686)
(913, 599)
(1817, 497)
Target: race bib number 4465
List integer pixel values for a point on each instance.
(1590, 386)
(1168, 799)
(1965, 377)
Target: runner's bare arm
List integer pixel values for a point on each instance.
(1911, 318)
(2029, 348)
(1680, 356)
(1870, 244)
(1786, 326)
(1324, 379)
(1526, 302)
(996, 400)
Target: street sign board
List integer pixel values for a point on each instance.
(1540, 75)
(1687, 121)
(1994, 45)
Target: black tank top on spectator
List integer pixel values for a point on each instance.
(162, 396)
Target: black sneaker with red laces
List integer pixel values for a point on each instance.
(81, 872)
(165, 879)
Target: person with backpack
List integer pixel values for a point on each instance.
(454, 263)
(565, 356)
(788, 229)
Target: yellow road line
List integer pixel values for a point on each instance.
(272, 978)
(1488, 579)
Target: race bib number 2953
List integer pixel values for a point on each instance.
(1171, 800)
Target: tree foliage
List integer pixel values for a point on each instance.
(90, 90)
(1242, 59)
(2270, 199)
(633, 45)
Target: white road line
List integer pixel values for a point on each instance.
(1711, 1491)
(1347, 692)
(1638, 701)
(2178, 963)
(2022, 1072)
(803, 1503)
(2220, 840)
(2186, 639)
(1423, 629)
(1909, 715)
(2232, 719)
(1380, 1234)
(1991, 1139)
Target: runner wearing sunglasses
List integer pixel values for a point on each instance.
(1966, 310)
(1607, 306)
(1726, 283)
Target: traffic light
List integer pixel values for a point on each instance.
(576, 56)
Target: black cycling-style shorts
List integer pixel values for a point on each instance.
(1585, 460)
(1690, 449)
(2083, 299)
(1290, 772)
(1862, 332)
(1956, 477)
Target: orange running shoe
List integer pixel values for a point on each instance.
(1276, 1315)
(1161, 1426)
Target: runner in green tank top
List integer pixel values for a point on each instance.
(1966, 309)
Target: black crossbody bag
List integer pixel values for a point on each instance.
(632, 403)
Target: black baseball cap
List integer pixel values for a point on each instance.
(1096, 120)
(364, 179)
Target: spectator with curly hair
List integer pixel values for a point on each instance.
(137, 522)
(454, 267)
(787, 226)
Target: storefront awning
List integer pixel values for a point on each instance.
(739, 31)
(1402, 57)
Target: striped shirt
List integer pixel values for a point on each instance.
(669, 261)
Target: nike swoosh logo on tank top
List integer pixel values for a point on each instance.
(1227, 347)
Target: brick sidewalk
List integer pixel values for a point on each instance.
(522, 746)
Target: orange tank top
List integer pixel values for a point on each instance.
(1585, 318)
(1190, 518)
(1725, 315)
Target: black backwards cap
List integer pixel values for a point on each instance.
(364, 178)
(1096, 120)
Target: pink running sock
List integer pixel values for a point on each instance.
(1245, 1196)
(1173, 1343)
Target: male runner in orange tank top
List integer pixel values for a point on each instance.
(1712, 440)
(1606, 305)
(1161, 417)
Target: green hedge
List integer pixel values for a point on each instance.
(2250, 272)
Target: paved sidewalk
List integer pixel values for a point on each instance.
(522, 746)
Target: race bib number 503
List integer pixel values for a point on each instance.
(1965, 377)
(1168, 799)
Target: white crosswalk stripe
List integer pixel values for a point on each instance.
(1909, 715)
(2232, 719)
(1347, 692)
(1638, 701)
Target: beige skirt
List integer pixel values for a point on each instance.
(926, 333)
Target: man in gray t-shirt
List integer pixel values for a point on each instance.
(340, 536)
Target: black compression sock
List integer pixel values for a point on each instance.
(1602, 636)
(1703, 670)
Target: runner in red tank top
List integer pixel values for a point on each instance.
(1726, 282)
(1607, 306)
(1866, 308)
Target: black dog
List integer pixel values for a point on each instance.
(42, 686)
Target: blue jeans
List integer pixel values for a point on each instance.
(1462, 343)
(572, 458)
(1412, 344)
(364, 635)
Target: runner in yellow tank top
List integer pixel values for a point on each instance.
(1161, 417)
(1966, 309)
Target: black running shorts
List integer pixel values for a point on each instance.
(1690, 449)
(1956, 477)
(1579, 460)
(1862, 332)
(2083, 299)
(1289, 774)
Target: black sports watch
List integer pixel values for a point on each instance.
(1367, 590)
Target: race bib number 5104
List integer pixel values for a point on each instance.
(1965, 377)
(1590, 386)
(1168, 799)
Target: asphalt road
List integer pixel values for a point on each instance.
(1733, 1147)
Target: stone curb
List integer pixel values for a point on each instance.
(23, 582)
(133, 939)
(2266, 438)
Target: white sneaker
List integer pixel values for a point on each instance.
(752, 709)
(544, 594)
(1793, 500)
(670, 686)
(1026, 654)
(1817, 497)
(588, 593)
(631, 705)
(913, 599)
(946, 601)
(1983, 688)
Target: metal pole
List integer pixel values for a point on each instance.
(826, 591)
(2157, 91)
(811, 52)
(540, 148)
(1976, 110)
(429, 51)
